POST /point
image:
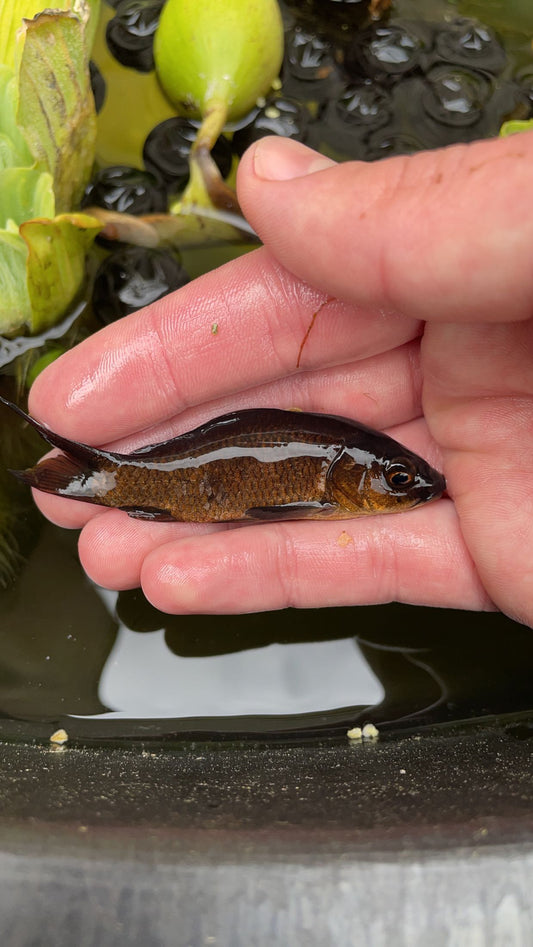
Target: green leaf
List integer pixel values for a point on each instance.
(12, 13)
(47, 137)
(24, 193)
(15, 304)
(56, 111)
(514, 126)
(56, 264)
(42, 270)
(14, 151)
(88, 11)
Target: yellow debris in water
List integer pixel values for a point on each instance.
(369, 732)
(355, 733)
(59, 737)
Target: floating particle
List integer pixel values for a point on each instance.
(59, 737)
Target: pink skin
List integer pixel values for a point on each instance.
(432, 341)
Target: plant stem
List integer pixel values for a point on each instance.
(206, 187)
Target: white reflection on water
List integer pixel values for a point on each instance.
(143, 678)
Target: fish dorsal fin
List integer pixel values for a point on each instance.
(83, 452)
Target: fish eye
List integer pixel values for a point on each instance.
(400, 473)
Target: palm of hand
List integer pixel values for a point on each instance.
(373, 375)
(478, 388)
(456, 388)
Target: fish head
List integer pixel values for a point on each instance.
(386, 479)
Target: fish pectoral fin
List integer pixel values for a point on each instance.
(149, 513)
(291, 511)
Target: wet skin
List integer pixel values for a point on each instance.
(256, 464)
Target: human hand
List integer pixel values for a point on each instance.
(431, 257)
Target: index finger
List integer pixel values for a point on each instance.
(236, 327)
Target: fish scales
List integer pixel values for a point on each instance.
(222, 489)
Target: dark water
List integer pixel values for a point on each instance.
(108, 666)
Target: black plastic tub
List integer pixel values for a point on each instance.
(400, 841)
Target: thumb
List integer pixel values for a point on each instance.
(443, 235)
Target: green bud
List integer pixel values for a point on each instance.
(41, 363)
(210, 53)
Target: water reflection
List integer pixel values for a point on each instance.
(141, 678)
(108, 667)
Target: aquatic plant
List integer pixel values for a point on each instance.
(18, 515)
(514, 126)
(214, 61)
(47, 138)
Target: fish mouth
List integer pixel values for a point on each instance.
(439, 488)
(431, 492)
(420, 501)
(432, 488)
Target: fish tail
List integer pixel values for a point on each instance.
(62, 475)
(89, 456)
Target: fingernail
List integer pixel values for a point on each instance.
(281, 159)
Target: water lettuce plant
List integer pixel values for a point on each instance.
(47, 140)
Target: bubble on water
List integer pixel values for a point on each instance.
(388, 51)
(466, 42)
(363, 104)
(308, 56)
(455, 96)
